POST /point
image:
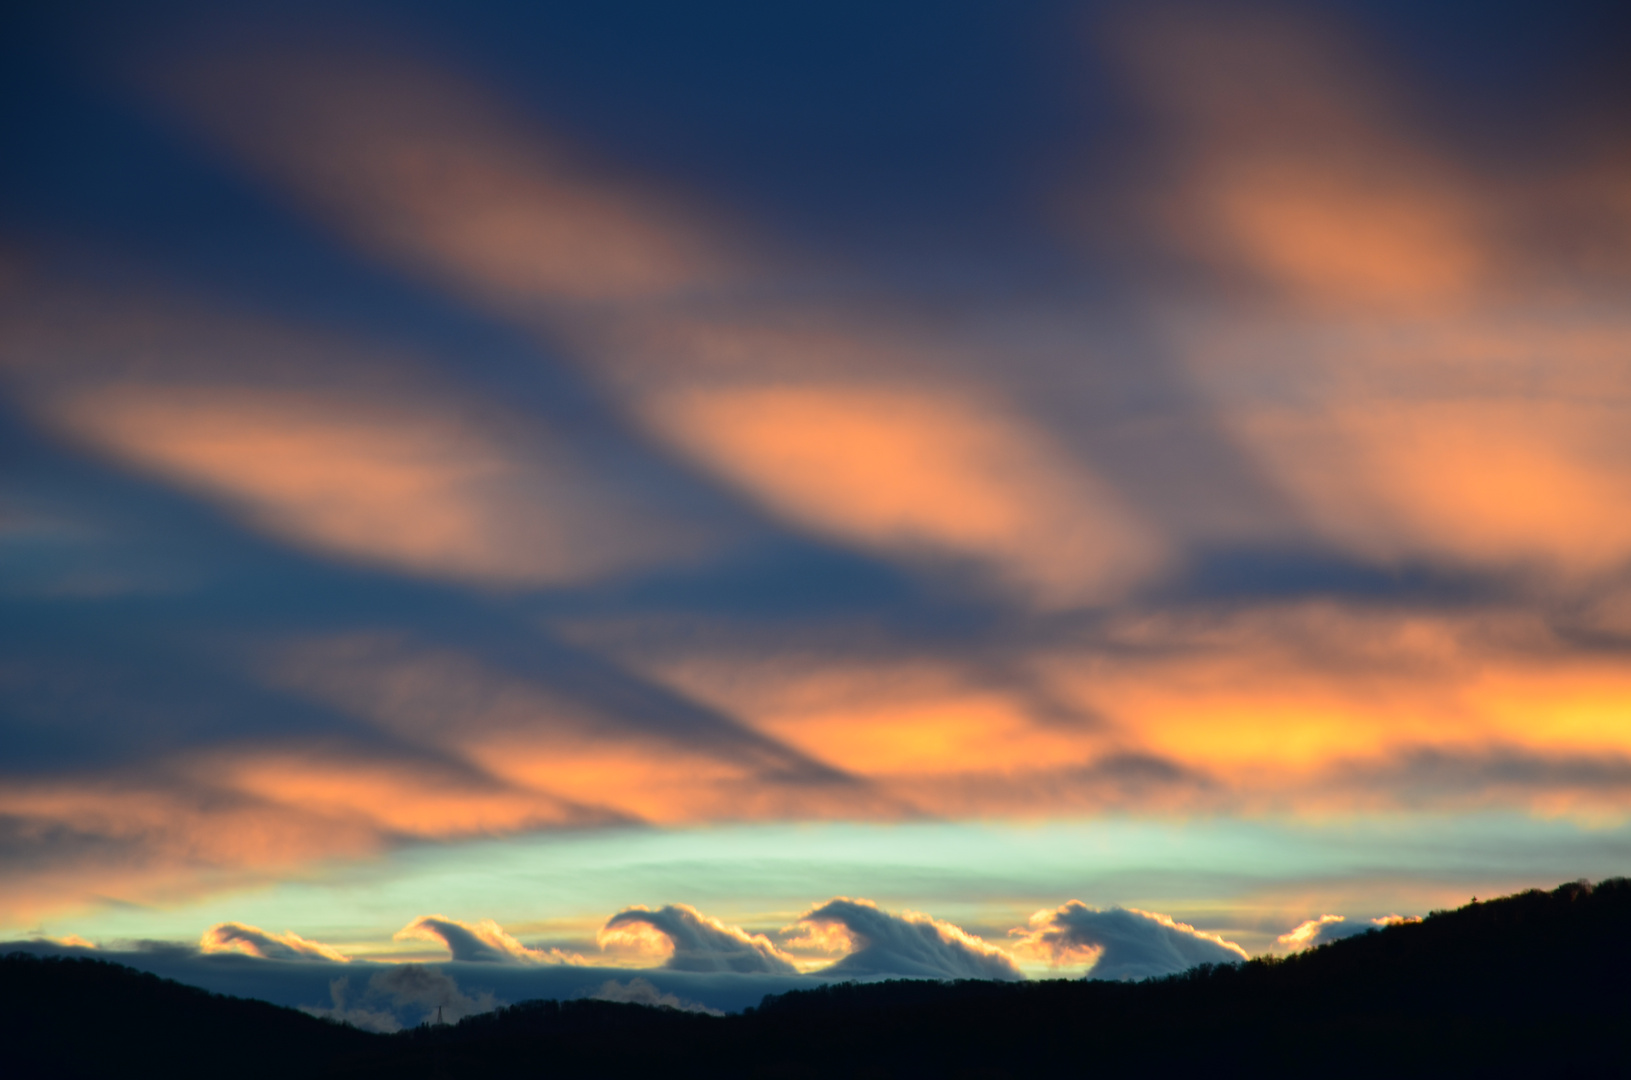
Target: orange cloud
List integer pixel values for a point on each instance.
(1293, 700)
(401, 486)
(1409, 410)
(394, 797)
(1492, 438)
(892, 720)
(806, 419)
(1301, 709)
(903, 468)
(334, 445)
(1302, 937)
(243, 815)
(536, 739)
(1444, 375)
(155, 840)
(1319, 706)
(417, 162)
(253, 941)
(1493, 481)
(1294, 166)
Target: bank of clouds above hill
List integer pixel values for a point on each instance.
(674, 955)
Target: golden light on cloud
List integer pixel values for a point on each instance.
(807, 422)
(1491, 439)
(1278, 705)
(338, 448)
(1319, 705)
(253, 941)
(424, 801)
(395, 488)
(1493, 481)
(540, 740)
(1294, 165)
(890, 721)
(1435, 372)
(636, 942)
(417, 162)
(151, 840)
(901, 468)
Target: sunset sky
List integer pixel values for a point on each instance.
(742, 488)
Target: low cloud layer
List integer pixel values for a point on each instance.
(638, 991)
(485, 942)
(239, 937)
(351, 994)
(402, 996)
(1122, 943)
(700, 943)
(908, 944)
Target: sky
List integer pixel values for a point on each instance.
(673, 502)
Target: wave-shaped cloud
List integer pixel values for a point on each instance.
(700, 942)
(240, 937)
(485, 942)
(1328, 928)
(1122, 943)
(908, 944)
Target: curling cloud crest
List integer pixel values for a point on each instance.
(252, 940)
(1329, 928)
(1122, 943)
(700, 943)
(908, 944)
(485, 942)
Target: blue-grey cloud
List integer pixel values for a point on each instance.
(700, 943)
(907, 944)
(484, 942)
(257, 942)
(1122, 943)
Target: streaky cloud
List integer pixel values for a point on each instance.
(240, 937)
(701, 943)
(1122, 943)
(907, 944)
(484, 942)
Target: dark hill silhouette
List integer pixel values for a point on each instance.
(1534, 984)
(71, 1017)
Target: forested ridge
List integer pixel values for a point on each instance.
(1538, 983)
